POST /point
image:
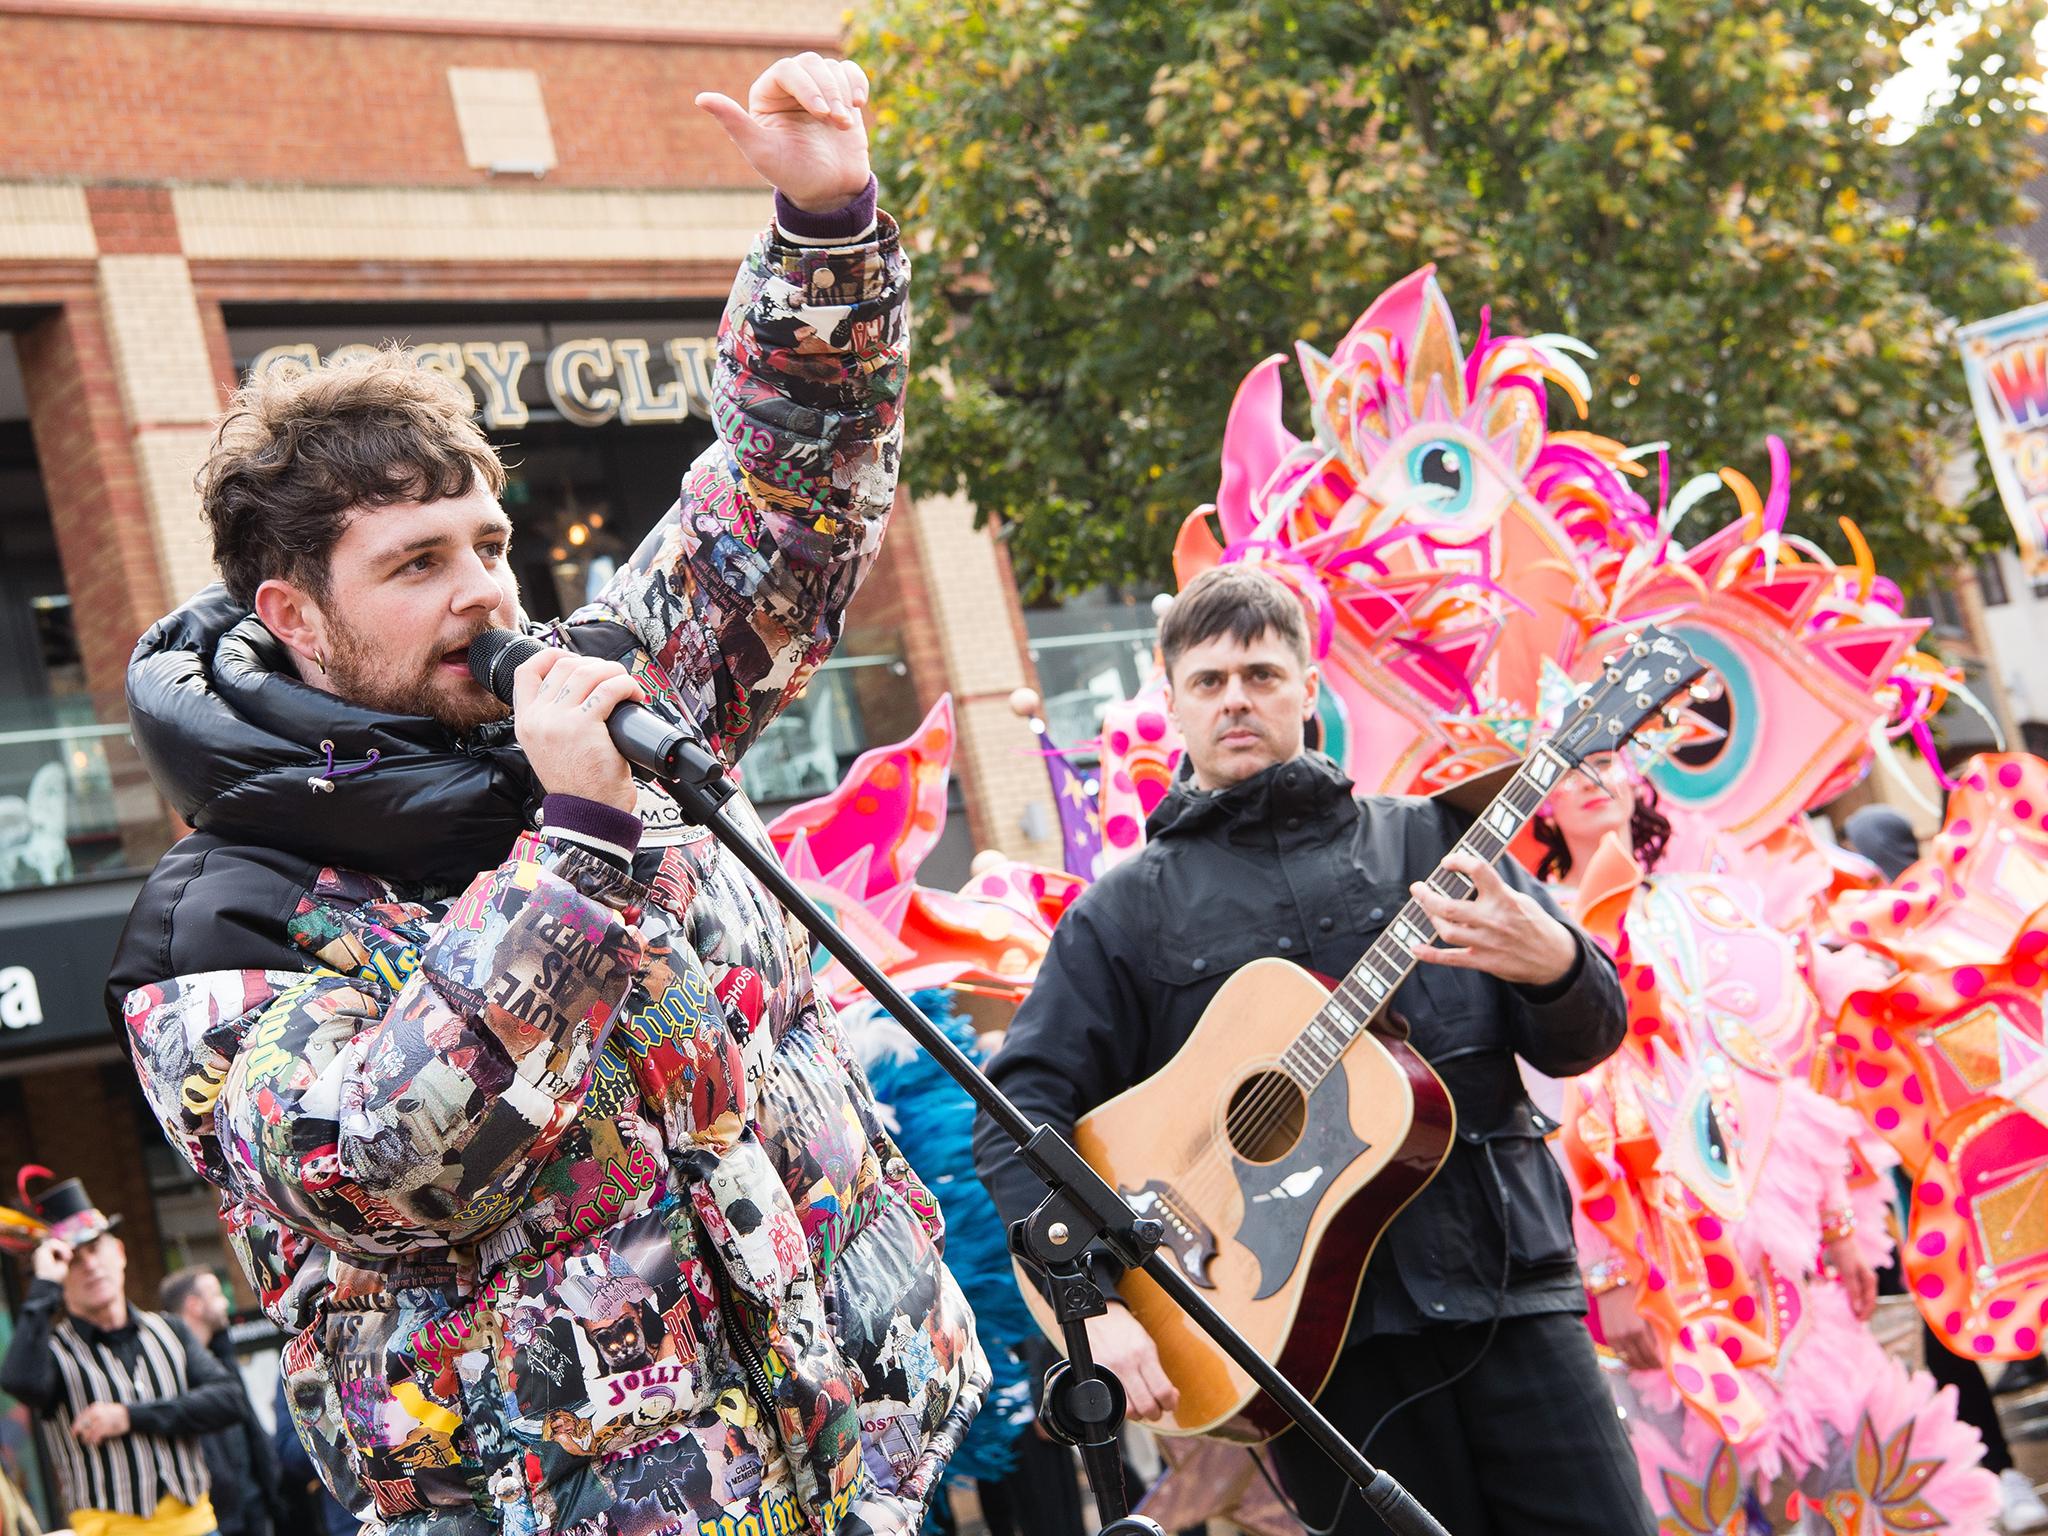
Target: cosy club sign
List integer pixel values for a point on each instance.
(592, 381)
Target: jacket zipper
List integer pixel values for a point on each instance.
(735, 1328)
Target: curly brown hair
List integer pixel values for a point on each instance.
(298, 450)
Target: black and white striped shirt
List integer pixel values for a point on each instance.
(174, 1392)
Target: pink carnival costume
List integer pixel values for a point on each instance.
(1461, 565)
(1948, 1059)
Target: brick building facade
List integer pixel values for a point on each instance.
(522, 188)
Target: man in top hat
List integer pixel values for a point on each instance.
(122, 1396)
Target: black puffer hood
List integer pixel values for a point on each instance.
(233, 739)
(1306, 785)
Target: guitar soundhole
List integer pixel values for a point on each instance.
(1265, 1117)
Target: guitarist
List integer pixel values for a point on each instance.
(1468, 1367)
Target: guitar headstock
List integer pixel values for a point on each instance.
(1636, 684)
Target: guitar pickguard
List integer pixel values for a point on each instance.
(1188, 1237)
(1280, 1197)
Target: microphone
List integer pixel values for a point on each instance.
(657, 746)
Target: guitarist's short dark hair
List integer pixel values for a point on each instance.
(1238, 599)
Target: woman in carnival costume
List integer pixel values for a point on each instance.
(1728, 1252)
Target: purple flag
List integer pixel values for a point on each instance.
(1080, 815)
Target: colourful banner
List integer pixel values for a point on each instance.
(2006, 361)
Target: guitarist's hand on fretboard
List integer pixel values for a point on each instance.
(1486, 925)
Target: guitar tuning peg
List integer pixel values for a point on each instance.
(1673, 713)
(1700, 691)
(1633, 637)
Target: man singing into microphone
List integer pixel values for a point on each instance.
(530, 1129)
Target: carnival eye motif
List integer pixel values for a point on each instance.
(1707, 770)
(1707, 1137)
(1442, 469)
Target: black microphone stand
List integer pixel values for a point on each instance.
(1084, 1403)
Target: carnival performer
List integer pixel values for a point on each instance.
(1948, 1060)
(123, 1397)
(1729, 1257)
(1449, 606)
(1884, 836)
(532, 1132)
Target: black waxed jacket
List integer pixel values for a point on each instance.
(1288, 863)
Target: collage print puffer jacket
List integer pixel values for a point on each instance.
(576, 1213)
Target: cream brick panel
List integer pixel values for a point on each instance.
(160, 356)
(503, 118)
(495, 224)
(167, 458)
(967, 590)
(45, 224)
(769, 20)
(1008, 776)
(983, 663)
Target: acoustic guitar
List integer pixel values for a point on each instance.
(1294, 1125)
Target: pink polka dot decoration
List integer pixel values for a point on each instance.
(1885, 1077)
(1141, 749)
(1040, 895)
(1711, 1320)
(1991, 853)
(1703, 1366)
(881, 821)
(1992, 1172)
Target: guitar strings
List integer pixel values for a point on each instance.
(1249, 1123)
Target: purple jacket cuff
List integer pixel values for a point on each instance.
(847, 223)
(595, 825)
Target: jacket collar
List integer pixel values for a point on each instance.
(1308, 785)
(235, 742)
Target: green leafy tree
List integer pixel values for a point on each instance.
(1122, 205)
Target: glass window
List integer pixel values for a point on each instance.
(1936, 600)
(74, 801)
(1991, 580)
(1090, 652)
(858, 699)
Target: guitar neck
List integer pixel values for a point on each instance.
(1362, 996)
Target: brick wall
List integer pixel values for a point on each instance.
(968, 591)
(104, 534)
(180, 101)
(794, 22)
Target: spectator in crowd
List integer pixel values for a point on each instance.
(240, 1461)
(310, 1507)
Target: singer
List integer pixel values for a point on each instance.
(529, 1127)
